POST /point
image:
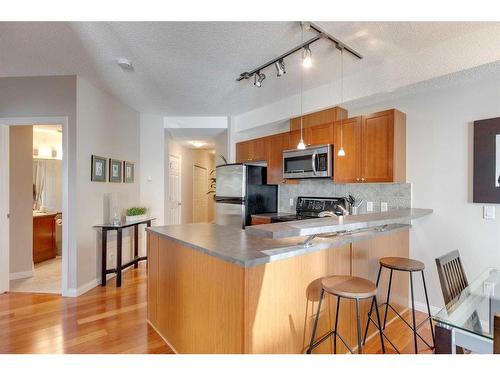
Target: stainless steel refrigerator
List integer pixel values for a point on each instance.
(242, 191)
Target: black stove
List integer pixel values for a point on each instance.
(311, 207)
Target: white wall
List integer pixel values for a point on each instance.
(439, 165)
(108, 128)
(48, 96)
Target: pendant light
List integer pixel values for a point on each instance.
(301, 145)
(341, 151)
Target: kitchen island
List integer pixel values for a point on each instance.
(219, 289)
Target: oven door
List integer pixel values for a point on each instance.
(315, 162)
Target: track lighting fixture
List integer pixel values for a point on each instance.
(280, 68)
(258, 78)
(306, 57)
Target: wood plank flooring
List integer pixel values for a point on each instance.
(112, 320)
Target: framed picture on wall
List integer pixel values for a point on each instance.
(115, 170)
(487, 161)
(128, 172)
(98, 168)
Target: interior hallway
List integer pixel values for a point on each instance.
(46, 279)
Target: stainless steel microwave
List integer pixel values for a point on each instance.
(313, 162)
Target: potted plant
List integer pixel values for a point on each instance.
(136, 213)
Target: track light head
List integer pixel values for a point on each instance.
(280, 68)
(259, 78)
(306, 57)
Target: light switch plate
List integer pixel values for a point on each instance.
(291, 202)
(369, 206)
(488, 212)
(383, 206)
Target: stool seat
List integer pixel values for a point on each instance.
(349, 286)
(402, 264)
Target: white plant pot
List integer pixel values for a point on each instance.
(136, 217)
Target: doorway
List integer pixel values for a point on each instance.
(174, 190)
(61, 238)
(200, 189)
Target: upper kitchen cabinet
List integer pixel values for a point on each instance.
(277, 144)
(253, 150)
(375, 148)
(383, 147)
(327, 116)
(347, 168)
(320, 134)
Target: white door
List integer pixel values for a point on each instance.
(174, 190)
(200, 189)
(4, 208)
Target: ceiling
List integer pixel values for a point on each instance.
(205, 137)
(189, 68)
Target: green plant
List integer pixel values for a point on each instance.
(135, 211)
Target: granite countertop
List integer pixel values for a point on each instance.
(336, 224)
(237, 246)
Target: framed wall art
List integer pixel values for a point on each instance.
(98, 168)
(128, 172)
(115, 170)
(486, 178)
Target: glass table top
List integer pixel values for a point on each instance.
(474, 309)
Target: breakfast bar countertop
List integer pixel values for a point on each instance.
(241, 247)
(336, 224)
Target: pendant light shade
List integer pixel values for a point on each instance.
(341, 151)
(301, 145)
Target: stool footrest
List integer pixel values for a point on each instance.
(324, 337)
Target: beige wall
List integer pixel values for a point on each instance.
(190, 158)
(107, 128)
(21, 201)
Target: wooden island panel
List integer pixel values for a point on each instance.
(201, 304)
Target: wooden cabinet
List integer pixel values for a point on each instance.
(260, 220)
(276, 144)
(327, 116)
(44, 237)
(294, 138)
(320, 134)
(375, 147)
(253, 150)
(347, 168)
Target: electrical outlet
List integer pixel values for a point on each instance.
(369, 206)
(291, 202)
(383, 206)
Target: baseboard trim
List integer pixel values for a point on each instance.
(21, 275)
(75, 292)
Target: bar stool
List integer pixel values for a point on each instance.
(349, 287)
(410, 266)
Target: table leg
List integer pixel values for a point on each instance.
(136, 244)
(443, 343)
(104, 255)
(119, 257)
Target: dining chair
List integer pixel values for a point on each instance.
(496, 335)
(451, 275)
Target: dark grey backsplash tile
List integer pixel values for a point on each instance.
(396, 195)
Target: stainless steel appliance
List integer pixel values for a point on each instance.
(313, 162)
(315, 207)
(242, 191)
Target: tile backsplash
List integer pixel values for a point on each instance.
(397, 195)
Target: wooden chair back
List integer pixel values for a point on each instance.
(496, 335)
(451, 275)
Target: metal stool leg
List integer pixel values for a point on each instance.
(413, 313)
(336, 325)
(387, 301)
(378, 323)
(428, 309)
(316, 322)
(371, 307)
(358, 321)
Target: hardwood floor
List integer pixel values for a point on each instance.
(112, 320)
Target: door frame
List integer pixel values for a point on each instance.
(4, 199)
(170, 155)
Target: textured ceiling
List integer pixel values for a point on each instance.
(189, 68)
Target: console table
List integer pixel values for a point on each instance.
(107, 227)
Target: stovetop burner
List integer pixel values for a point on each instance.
(310, 208)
